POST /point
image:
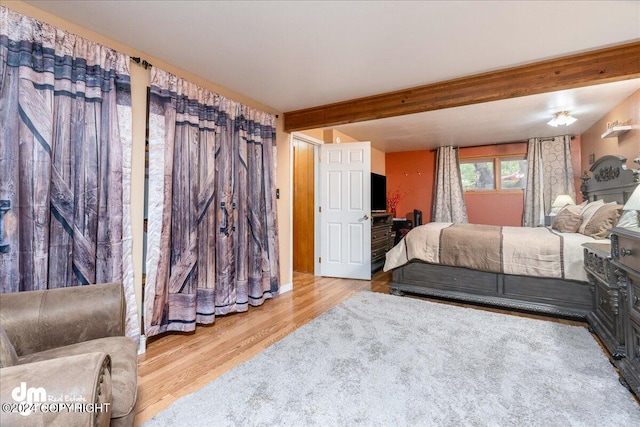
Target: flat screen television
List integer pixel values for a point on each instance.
(378, 193)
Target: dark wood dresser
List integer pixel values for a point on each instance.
(604, 319)
(625, 256)
(381, 238)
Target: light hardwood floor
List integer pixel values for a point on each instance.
(177, 364)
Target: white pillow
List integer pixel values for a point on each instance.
(587, 212)
(629, 219)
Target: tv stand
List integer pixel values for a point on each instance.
(381, 238)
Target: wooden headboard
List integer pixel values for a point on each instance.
(611, 181)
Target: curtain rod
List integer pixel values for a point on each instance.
(551, 138)
(143, 62)
(147, 65)
(495, 144)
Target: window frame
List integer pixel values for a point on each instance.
(497, 172)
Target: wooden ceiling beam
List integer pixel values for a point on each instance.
(606, 65)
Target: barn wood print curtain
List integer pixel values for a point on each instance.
(65, 157)
(448, 203)
(212, 243)
(550, 173)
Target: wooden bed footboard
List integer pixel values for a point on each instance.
(557, 297)
(613, 182)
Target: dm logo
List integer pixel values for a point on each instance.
(29, 396)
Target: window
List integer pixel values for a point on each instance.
(494, 173)
(477, 175)
(513, 174)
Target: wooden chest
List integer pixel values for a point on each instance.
(625, 252)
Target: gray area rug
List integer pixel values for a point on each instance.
(382, 360)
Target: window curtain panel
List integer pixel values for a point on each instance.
(65, 160)
(212, 240)
(550, 174)
(449, 204)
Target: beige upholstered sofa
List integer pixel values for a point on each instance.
(64, 350)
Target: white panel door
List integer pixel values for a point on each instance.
(345, 210)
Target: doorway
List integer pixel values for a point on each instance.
(345, 219)
(304, 155)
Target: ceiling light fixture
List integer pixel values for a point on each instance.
(562, 118)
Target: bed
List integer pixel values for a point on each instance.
(515, 268)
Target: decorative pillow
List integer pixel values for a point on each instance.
(629, 219)
(576, 209)
(587, 212)
(567, 220)
(602, 220)
(8, 356)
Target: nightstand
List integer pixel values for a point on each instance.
(625, 254)
(400, 224)
(604, 318)
(548, 220)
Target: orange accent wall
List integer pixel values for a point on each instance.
(504, 208)
(626, 145)
(514, 148)
(495, 208)
(412, 173)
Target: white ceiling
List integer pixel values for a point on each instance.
(297, 54)
(510, 120)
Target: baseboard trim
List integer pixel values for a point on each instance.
(142, 347)
(287, 287)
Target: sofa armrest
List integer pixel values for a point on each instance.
(40, 320)
(70, 391)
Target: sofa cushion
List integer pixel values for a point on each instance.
(79, 378)
(8, 356)
(124, 367)
(41, 320)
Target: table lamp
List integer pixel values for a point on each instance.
(561, 201)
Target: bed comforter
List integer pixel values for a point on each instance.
(525, 251)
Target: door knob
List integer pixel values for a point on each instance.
(366, 217)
